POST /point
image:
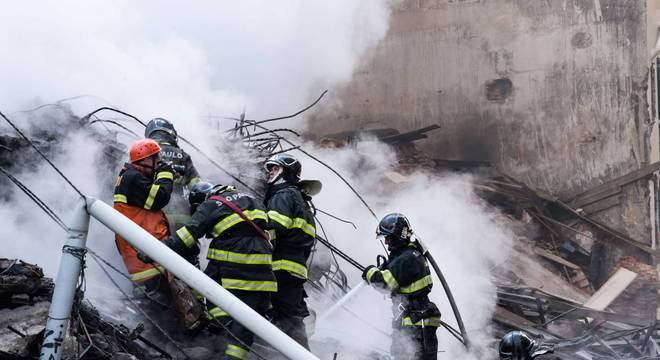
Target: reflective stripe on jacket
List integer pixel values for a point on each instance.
(407, 277)
(239, 258)
(294, 227)
(140, 200)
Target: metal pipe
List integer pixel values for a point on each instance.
(71, 263)
(196, 279)
(342, 301)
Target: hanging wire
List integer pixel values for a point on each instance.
(98, 259)
(88, 116)
(42, 154)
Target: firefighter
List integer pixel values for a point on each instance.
(517, 345)
(142, 189)
(186, 176)
(240, 255)
(406, 276)
(294, 235)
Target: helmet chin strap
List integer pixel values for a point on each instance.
(277, 178)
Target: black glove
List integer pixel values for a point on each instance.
(164, 166)
(366, 270)
(144, 257)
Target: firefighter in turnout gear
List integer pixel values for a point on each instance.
(240, 255)
(407, 277)
(294, 235)
(186, 176)
(142, 189)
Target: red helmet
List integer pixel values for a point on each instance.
(143, 149)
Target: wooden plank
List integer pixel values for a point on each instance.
(611, 289)
(554, 258)
(592, 197)
(604, 204)
(620, 181)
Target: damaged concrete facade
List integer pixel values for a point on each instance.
(557, 94)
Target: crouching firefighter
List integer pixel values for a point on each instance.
(240, 256)
(142, 189)
(407, 277)
(293, 226)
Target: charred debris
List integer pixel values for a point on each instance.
(553, 286)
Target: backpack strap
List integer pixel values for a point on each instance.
(240, 213)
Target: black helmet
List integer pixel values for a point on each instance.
(198, 194)
(290, 168)
(397, 228)
(219, 189)
(167, 131)
(517, 345)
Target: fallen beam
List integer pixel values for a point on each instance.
(611, 289)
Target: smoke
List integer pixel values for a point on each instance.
(461, 232)
(195, 64)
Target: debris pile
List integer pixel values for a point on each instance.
(24, 301)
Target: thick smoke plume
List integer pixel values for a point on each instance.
(194, 64)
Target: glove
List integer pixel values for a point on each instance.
(366, 270)
(144, 257)
(164, 166)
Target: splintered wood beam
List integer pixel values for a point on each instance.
(614, 286)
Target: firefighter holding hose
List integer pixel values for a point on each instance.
(407, 277)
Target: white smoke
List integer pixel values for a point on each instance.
(459, 229)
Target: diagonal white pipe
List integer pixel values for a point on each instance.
(196, 279)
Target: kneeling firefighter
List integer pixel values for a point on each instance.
(407, 277)
(240, 254)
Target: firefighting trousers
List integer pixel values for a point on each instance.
(414, 343)
(239, 338)
(289, 307)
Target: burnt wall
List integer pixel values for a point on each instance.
(552, 92)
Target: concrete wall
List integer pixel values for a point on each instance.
(552, 92)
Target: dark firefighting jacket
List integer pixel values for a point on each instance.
(293, 225)
(141, 199)
(180, 161)
(407, 277)
(239, 258)
(178, 210)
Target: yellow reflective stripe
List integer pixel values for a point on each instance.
(288, 223)
(147, 274)
(192, 182)
(303, 225)
(120, 198)
(239, 258)
(186, 236)
(164, 175)
(234, 219)
(236, 351)
(249, 285)
(152, 196)
(432, 321)
(370, 273)
(292, 267)
(283, 220)
(417, 285)
(391, 282)
(217, 312)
